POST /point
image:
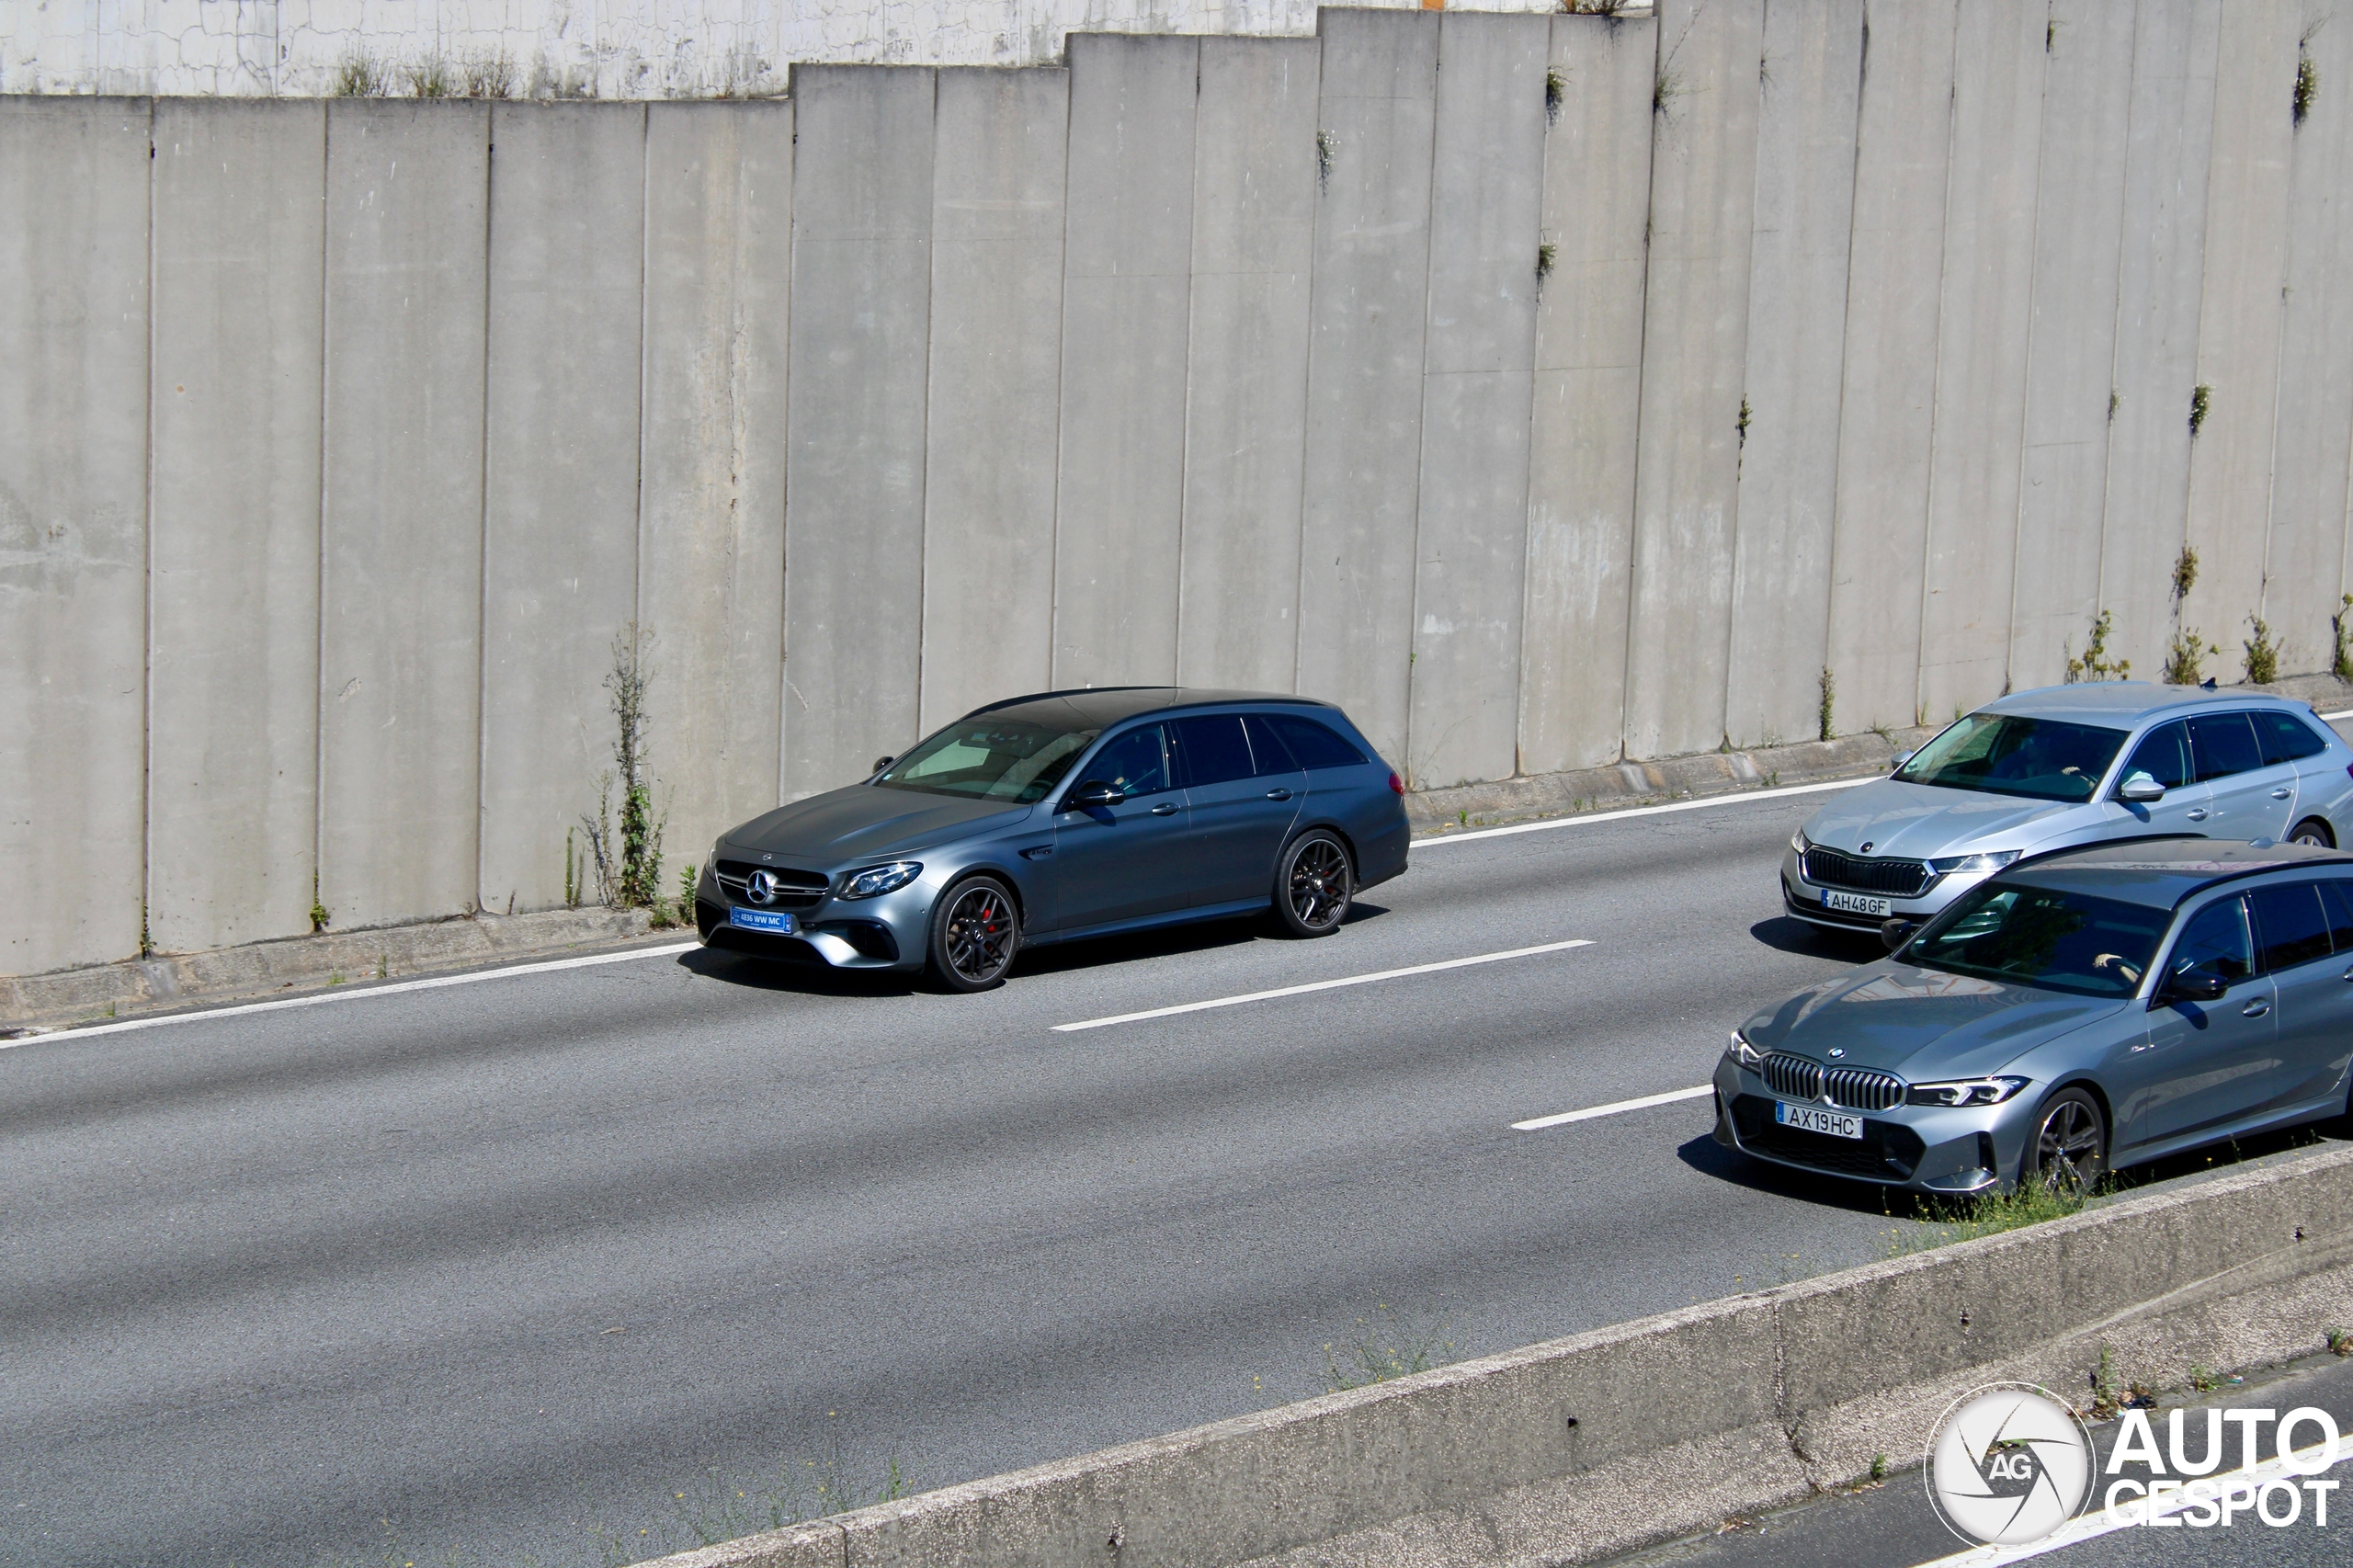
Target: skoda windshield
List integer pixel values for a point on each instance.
(2008, 754)
(990, 759)
(2043, 936)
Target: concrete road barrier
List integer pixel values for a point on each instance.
(1605, 1442)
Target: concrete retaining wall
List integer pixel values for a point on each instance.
(1602, 1443)
(1553, 392)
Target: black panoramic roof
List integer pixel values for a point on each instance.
(1094, 707)
(2161, 872)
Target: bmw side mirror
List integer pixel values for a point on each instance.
(2199, 982)
(1897, 932)
(2139, 787)
(1090, 794)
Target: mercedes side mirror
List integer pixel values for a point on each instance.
(1092, 793)
(2139, 787)
(2199, 983)
(1897, 932)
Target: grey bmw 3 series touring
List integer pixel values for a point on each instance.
(1062, 815)
(2086, 1009)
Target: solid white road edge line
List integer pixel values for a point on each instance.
(2333, 718)
(2096, 1522)
(1613, 1109)
(664, 950)
(1322, 985)
(1438, 838)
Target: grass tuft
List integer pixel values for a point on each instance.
(1389, 1345)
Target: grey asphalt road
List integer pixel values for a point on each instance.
(496, 1273)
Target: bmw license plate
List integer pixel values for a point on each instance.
(1858, 904)
(773, 921)
(1813, 1119)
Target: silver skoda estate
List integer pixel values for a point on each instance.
(2066, 765)
(2094, 1007)
(1066, 815)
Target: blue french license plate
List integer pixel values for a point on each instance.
(773, 921)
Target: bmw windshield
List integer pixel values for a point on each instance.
(2044, 937)
(990, 759)
(2008, 754)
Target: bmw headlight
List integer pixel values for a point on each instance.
(1745, 1054)
(876, 881)
(1966, 1092)
(1984, 860)
(1800, 842)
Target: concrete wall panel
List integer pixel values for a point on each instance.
(711, 505)
(2159, 278)
(233, 802)
(73, 527)
(2238, 320)
(1378, 100)
(1470, 542)
(2070, 352)
(1703, 200)
(1587, 394)
(861, 286)
(1125, 301)
(996, 307)
(1985, 317)
(2305, 565)
(567, 259)
(400, 514)
(1246, 407)
(1797, 315)
(1887, 418)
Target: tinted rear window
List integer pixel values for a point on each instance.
(1315, 745)
(2285, 737)
(2223, 743)
(2290, 925)
(1210, 750)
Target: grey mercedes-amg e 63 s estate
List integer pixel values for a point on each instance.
(1065, 814)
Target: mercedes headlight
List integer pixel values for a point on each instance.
(876, 881)
(1966, 1092)
(1745, 1054)
(1984, 860)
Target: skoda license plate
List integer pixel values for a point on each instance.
(774, 921)
(1858, 904)
(1813, 1119)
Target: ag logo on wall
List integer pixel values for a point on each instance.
(2007, 1465)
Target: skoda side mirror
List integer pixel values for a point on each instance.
(1897, 932)
(2199, 982)
(2140, 788)
(1090, 794)
(1895, 764)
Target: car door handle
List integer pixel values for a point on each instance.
(2282, 794)
(1278, 794)
(2254, 1009)
(2198, 813)
(1166, 809)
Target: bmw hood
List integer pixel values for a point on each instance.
(862, 822)
(1918, 821)
(1921, 1024)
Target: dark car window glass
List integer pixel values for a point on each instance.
(996, 759)
(2223, 743)
(1266, 748)
(2285, 737)
(2162, 754)
(1315, 745)
(2216, 935)
(2337, 899)
(2066, 941)
(2007, 754)
(2291, 923)
(1210, 750)
(1134, 763)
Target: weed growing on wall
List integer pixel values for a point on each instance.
(2341, 667)
(2094, 664)
(2262, 653)
(1546, 254)
(2186, 656)
(429, 77)
(688, 875)
(1593, 7)
(490, 75)
(1388, 1345)
(358, 75)
(628, 865)
(1829, 697)
(1326, 146)
(2307, 82)
(1556, 86)
(2201, 399)
(714, 1509)
(318, 911)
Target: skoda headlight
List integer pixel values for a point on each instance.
(876, 881)
(1800, 842)
(1745, 1054)
(1966, 1092)
(1984, 860)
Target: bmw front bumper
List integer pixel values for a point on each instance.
(1939, 1149)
